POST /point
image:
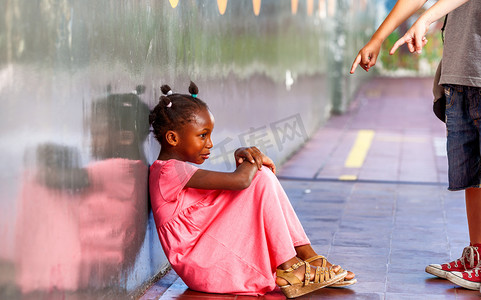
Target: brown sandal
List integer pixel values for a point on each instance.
(295, 287)
(341, 283)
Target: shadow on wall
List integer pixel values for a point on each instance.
(80, 228)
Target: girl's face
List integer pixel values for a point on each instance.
(195, 138)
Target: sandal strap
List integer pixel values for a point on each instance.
(307, 276)
(328, 273)
(324, 262)
(324, 274)
(287, 276)
(291, 278)
(318, 275)
(295, 266)
(311, 259)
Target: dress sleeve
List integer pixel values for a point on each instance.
(173, 177)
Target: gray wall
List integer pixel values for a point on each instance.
(77, 79)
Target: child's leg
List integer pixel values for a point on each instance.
(301, 243)
(276, 196)
(473, 195)
(473, 207)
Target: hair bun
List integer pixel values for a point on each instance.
(165, 89)
(193, 89)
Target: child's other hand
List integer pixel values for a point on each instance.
(414, 38)
(254, 156)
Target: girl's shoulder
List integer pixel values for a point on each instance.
(172, 166)
(159, 164)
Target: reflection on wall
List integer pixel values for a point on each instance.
(77, 79)
(80, 228)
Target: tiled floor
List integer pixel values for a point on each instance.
(393, 219)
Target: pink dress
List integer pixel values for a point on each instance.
(222, 241)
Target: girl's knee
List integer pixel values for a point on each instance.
(266, 181)
(268, 172)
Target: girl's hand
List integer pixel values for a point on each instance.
(267, 161)
(254, 156)
(367, 56)
(250, 154)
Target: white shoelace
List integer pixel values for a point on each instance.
(469, 254)
(475, 270)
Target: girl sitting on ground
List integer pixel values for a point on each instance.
(235, 232)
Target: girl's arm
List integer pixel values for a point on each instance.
(403, 9)
(414, 37)
(240, 179)
(248, 161)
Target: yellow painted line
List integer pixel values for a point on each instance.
(360, 148)
(348, 177)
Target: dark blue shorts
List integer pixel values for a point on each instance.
(463, 124)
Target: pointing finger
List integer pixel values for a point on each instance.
(418, 40)
(355, 63)
(398, 44)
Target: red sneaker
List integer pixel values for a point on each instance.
(468, 261)
(468, 279)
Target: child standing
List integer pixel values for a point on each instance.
(461, 79)
(226, 232)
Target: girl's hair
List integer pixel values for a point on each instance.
(174, 110)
